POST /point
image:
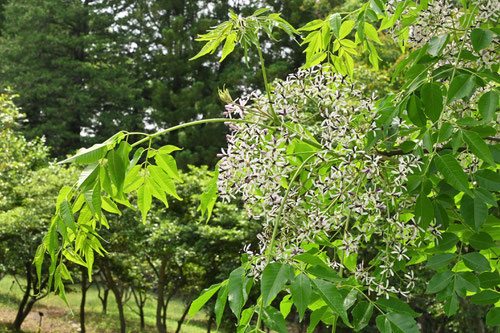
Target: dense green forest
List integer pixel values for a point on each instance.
(269, 166)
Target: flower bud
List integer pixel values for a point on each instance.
(224, 95)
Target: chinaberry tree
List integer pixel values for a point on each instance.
(354, 191)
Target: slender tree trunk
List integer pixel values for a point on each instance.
(118, 297)
(165, 308)
(82, 302)
(104, 297)
(181, 320)
(140, 301)
(210, 321)
(104, 301)
(161, 325)
(25, 302)
(141, 314)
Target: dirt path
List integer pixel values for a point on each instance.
(53, 320)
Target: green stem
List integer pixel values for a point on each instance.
(346, 226)
(264, 76)
(275, 229)
(198, 122)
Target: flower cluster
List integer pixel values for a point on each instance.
(310, 170)
(441, 18)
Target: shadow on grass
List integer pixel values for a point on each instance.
(110, 323)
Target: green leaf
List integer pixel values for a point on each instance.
(286, 306)
(163, 180)
(156, 190)
(205, 295)
(474, 212)
(477, 262)
(274, 320)
(487, 105)
(481, 241)
(301, 293)
(312, 25)
(447, 241)
(461, 86)
(453, 173)
(335, 23)
(144, 200)
(478, 147)
(89, 155)
(438, 282)
(485, 297)
(437, 44)
(468, 281)
(350, 299)
(333, 298)
(440, 260)
(133, 181)
(106, 180)
(346, 28)
(488, 179)
(489, 280)
(135, 158)
(93, 199)
(481, 39)
(445, 132)
(485, 196)
(88, 176)
(424, 211)
(109, 206)
(168, 164)
(209, 196)
(235, 292)
(493, 317)
(220, 304)
(393, 304)
(325, 273)
(433, 101)
(117, 167)
(361, 315)
(74, 257)
(415, 111)
(383, 324)
(451, 306)
(38, 261)
(403, 322)
(64, 194)
(274, 278)
(67, 215)
(229, 45)
(372, 33)
(168, 149)
(316, 316)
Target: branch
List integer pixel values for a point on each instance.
(398, 152)
(152, 265)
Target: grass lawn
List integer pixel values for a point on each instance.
(58, 318)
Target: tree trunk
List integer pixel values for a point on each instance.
(82, 302)
(104, 297)
(104, 301)
(141, 314)
(210, 321)
(118, 297)
(25, 302)
(165, 308)
(160, 325)
(181, 320)
(140, 301)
